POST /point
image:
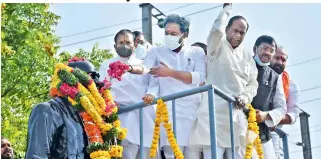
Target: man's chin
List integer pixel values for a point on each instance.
(7, 156)
(277, 70)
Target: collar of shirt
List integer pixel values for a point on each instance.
(126, 60)
(239, 48)
(184, 47)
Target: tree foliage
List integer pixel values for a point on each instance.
(28, 47)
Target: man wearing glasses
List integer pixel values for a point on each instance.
(270, 101)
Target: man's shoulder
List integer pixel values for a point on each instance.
(105, 63)
(157, 49)
(136, 61)
(110, 60)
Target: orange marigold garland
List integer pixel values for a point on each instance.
(162, 116)
(252, 126)
(99, 111)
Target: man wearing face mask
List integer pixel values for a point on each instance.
(141, 45)
(231, 69)
(130, 90)
(269, 102)
(178, 67)
(292, 94)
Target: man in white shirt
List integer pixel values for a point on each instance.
(231, 69)
(292, 94)
(130, 90)
(178, 67)
(269, 102)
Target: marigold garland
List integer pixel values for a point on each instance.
(162, 116)
(253, 126)
(99, 111)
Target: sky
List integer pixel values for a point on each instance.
(297, 27)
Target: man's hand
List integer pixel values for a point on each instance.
(227, 4)
(148, 98)
(239, 102)
(273, 128)
(261, 116)
(163, 71)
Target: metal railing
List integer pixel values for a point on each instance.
(207, 88)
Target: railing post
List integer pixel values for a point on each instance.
(141, 135)
(231, 104)
(174, 117)
(285, 147)
(212, 122)
(284, 137)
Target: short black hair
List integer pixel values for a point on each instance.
(136, 34)
(122, 32)
(202, 45)
(181, 21)
(237, 17)
(265, 39)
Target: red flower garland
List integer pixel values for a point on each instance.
(68, 90)
(117, 69)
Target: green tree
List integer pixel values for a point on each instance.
(28, 44)
(28, 48)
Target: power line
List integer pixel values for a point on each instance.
(315, 147)
(79, 42)
(313, 131)
(303, 62)
(202, 10)
(311, 100)
(134, 29)
(123, 23)
(101, 28)
(312, 126)
(312, 88)
(177, 8)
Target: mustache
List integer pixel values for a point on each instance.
(278, 66)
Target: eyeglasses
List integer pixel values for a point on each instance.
(268, 49)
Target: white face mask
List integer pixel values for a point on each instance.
(141, 51)
(173, 41)
(259, 62)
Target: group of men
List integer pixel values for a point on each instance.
(258, 79)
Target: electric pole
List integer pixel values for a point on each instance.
(147, 20)
(305, 134)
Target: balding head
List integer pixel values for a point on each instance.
(279, 60)
(6, 149)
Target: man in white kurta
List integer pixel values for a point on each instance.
(178, 68)
(278, 64)
(231, 69)
(130, 90)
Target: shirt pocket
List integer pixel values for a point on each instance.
(189, 65)
(243, 69)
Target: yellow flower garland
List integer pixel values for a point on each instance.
(162, 116)
(100, 154)
(84, 90)
(252, 126)
(94, 104)
(100, 100)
